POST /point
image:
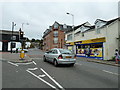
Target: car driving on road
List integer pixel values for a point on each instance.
(60, 56)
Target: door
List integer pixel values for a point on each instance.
(5, 46)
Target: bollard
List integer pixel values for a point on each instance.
(22, 54)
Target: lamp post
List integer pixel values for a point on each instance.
(23, 24)
(22, 41)
(72, 28)
(13, 24)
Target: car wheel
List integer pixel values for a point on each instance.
(44, 59)
(72, 64)
(55, 63)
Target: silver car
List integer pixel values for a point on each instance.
(60, 56)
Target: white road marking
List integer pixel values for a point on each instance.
(110, 72)
(13, 63)
(42, 75)
(34, 62)
(32, 68)
(53, 80)
(42, 80)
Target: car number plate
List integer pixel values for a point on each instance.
(68, 57)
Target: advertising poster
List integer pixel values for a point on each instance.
(94, 52)
(70, 48)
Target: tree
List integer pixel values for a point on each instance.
(33, 40)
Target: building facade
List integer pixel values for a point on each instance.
(54, 37)
(100, 40)
(5, 39)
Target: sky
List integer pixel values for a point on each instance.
(42, 14)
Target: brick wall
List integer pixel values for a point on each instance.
(49, 40)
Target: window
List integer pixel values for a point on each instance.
(55, 33)
(54, 52)
(97, 30)
(65, 51)
(55, 26)
(69, 37)
(55, 40)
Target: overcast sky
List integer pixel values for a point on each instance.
(41, 15)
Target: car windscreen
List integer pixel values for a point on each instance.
(65, 51)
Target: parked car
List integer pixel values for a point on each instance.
(60, 56)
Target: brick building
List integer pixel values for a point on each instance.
(54, 37)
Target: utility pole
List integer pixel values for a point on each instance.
(73, 39)
(13, 24)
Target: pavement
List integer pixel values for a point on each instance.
(14, 57)
(107, 62)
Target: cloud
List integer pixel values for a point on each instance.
(41, 15)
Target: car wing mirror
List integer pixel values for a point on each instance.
(47, 52)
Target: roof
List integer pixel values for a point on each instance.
(9, 32)
(107, 22)
(61, 28)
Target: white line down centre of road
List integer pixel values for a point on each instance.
(53, 80)
(110, 72)
(42, 80)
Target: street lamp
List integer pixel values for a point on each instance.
(23, 24)
(13, 25)
(72, 27)
(72, 18)
(22, 41)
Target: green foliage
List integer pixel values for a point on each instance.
(112, 58)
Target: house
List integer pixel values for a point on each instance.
(72, 34)
(102, 39)
(6, 39)
(54, 37)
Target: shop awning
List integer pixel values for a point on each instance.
(96, 40)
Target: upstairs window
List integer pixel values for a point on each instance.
(69, 37)
(55, 33)
(97, 30)
(55, 26)
(55, 40)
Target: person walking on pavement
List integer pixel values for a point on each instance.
(117, 56)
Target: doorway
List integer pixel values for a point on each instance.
(5, 46)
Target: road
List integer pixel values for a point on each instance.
(39, 74)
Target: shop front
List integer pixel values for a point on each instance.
(90, 48)
(70, 46)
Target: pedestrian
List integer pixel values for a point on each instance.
(117, 56)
